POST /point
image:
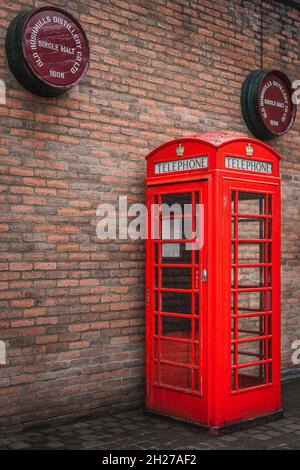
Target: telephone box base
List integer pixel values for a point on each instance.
(227, 428)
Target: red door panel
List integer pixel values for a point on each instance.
(252, 299)
(177, 301)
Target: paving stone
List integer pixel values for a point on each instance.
(229, 438)
(55, 445)
(262, 437)
(19, 445)
(136, 430)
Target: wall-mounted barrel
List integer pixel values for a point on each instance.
(267, 104)
(47, 50)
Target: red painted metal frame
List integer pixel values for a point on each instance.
(217, 403)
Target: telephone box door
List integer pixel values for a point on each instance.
(177, 350)
(252, 248)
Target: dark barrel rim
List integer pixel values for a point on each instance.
(248, 109)
(254, 108)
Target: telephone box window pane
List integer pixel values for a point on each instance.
(156, 306)
(196, 379)
(269, 277)
(196, 256)
(196, 329)
(177, 229)
(197, 305)
(269, 229)
(269, 252)
(270, 378)
(233, 202)
(233, 232)
(252, 351)
(155, 348)
(171, 229)
(269, 325)
(251, 327)
(196, 354)
(233, 381)
(269, 204)
(251, 277)
(155, 372)
(269, 301)
(155, 277)
(251, 376)
(233, 349)
(233, 312)
(251, 203)
(182, 201)
(176, 327)
(233, 260)
(178, 377)
(156, 253)
(269, 348)
(175, 253)
(251, 302)
(173, 351)
(233, 320)
(180, 278)
(156, 320)
(254, 229)
(176, 302)
(251, 253)
(187, 233)
(155, 230)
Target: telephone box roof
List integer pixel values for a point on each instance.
(215, 140)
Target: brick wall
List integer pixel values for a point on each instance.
(72, 307)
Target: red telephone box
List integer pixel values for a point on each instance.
(213, 281)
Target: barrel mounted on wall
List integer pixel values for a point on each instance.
(47, 51)
(267, 104)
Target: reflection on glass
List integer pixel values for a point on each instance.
(176, 302)
(251, 327)
(250, 277)
(156, 306)
(155, 277)
(251, 376)
(251, 203)
(251, 302)
(197, 304)
(178, 377)
(253, 253)
(177, 278)
(251, 229)
(156, 320)
(173, 351)
(252, 351)
(175, 253)
(181, 199)
(177, 229)
(176, 327)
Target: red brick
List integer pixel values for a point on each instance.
(45, 266)
(20, 266)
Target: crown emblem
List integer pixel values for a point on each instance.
(249, 150)
(180, 150)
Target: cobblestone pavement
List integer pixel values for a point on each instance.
(135, 430)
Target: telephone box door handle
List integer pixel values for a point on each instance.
(204, 275)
